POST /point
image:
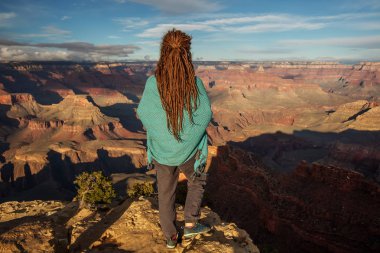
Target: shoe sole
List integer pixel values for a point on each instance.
(172, 247)
(188, 236)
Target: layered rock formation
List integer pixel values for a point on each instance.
(257, 103)
(322, 208)
(58, 119)
(359, 81)
(132, 226)
(73, 133)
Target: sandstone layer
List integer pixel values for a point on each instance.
(131, 226)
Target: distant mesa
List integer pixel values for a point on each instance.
(260, 69)
(76, 110)
(73, 110)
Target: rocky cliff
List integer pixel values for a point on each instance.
(73, 133)
(58, 119)
(130, 226)
(322, 208)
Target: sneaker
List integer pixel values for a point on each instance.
(172, 241)
(198, 228)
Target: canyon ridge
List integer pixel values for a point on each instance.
(294, 148)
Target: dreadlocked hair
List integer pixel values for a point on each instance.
(176, 79)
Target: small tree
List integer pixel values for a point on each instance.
(94, 188)
(141, 189)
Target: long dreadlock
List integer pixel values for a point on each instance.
(176, 79)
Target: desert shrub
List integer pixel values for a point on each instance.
(140, 189)
(94, 188)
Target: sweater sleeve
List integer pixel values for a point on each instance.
(143, 110)
(203, 114)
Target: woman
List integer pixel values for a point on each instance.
(175, 111)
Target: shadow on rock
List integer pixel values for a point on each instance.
(93, 233)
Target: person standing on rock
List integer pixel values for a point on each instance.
(175, 111)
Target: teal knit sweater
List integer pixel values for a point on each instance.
(161, 144)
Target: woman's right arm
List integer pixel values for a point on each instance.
(143, 111)
(201, 116)
(203, 113)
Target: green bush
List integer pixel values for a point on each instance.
(94, 188)
(141, 189)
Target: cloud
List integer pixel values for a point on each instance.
(353, 21)
(254, 23)
(276, 27)
(131, 23)
(113, 37)
(11, 50)
(29, 53)
(5, 17)
(266, 51)
(84, 47)
(180, 7)
(346, 16)
(65, 18)
(160, 29)
(55, 31)
(248, 19)
(6, 42)
(247, 24)
(368, 42)
(48, 32)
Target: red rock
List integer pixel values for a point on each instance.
(316, 208)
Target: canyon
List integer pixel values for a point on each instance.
(294, 146)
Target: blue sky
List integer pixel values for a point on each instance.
(221, 30)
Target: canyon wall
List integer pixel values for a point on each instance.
(295, 160)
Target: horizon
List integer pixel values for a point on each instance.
(200, 62)
(131, 30)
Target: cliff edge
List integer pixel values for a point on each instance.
(130, 226)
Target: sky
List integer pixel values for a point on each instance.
(247, 30)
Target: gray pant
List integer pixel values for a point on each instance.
(167, 179)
